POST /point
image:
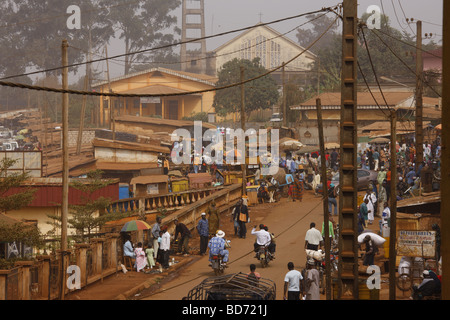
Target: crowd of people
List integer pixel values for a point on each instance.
(304, 171)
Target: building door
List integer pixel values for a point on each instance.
(172, 110)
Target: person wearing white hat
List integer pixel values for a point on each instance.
(217, 245)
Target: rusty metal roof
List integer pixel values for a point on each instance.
(157, 178)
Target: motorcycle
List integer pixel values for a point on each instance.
(264, 256)
(333, 261)
(217, 264)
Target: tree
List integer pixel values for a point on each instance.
(384, 61)
(259, 94)
(90, 215)
(146, 24)
(10, 199)
(35, 41)
(319, 24)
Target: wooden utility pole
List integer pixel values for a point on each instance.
(445, 156)
(244, 165)
(65, 126)
(348, 242)
(393, 208)
(284, 97)
(112, 121)
(65, 154)
(419, 93)
(326, 219)
(83, 105)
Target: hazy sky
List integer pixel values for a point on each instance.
(227, 15)
(221, 16)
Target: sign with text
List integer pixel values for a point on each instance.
(413, 243)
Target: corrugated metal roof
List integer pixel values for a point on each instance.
(115, 144)
(158, 121)
(157, 178)
(333, 99)
(206, 79)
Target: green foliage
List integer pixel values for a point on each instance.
(199, 116)
(259, 94)
(9, 181)
(90, 215)
(20, 232)
(384, 61)
(144, 24)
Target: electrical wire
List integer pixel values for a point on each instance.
(404, 63)
(404, 15)
(111, 94)
(172, 44)
(376, 79)
(209, 57)
(373, 68)
(231, 262)
(409, 44)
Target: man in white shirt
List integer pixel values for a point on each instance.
(313, 238)
(165, 247)
(263, 237)
(292, 283)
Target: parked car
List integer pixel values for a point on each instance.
(363, 179)
(364, 176)
(276, 117)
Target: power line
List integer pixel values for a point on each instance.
(409, 44)
(376, 78)
(373, 68)
(406, 19)
(111, 94)
(117, 62)
(173, 44)
(404, 63)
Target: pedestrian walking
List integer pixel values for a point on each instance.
(312, 281)
(313, 238)
(332, 193)
(213, 218)
(292, 281)
(241, 212)
(370, 195)
(298, 189)
(369, 255)
(203, 231)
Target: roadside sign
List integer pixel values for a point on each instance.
(414, 243)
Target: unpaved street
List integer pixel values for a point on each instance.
(288, 220)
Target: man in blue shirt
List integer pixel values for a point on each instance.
(217, 245)
(203, 231)
(410, 176)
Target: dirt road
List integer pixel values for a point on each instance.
(288, 220)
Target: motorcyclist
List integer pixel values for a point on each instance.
(263, 237)
(217, 246)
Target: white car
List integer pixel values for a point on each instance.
(276, 117)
